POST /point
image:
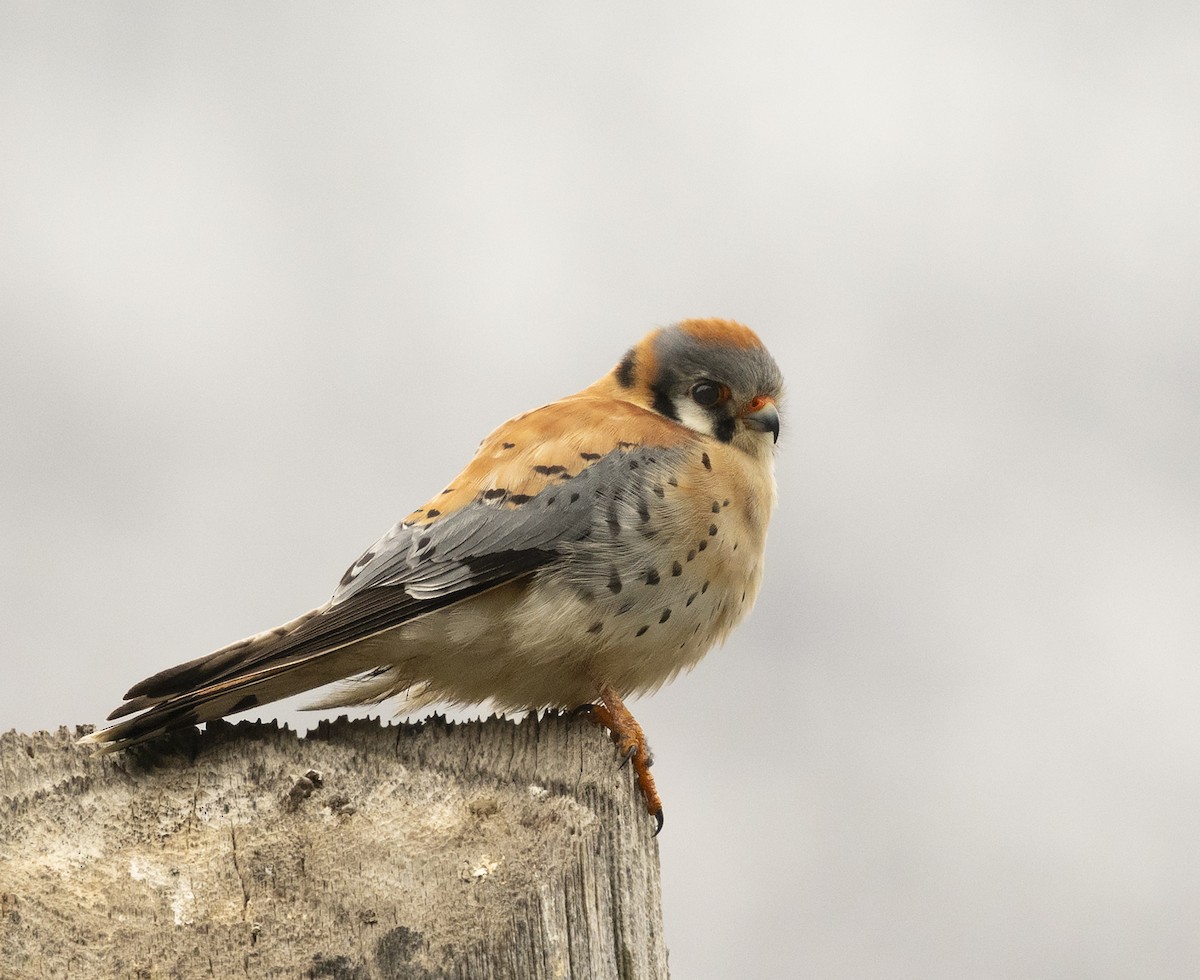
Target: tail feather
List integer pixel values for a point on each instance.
(241, 676)
(204, 670)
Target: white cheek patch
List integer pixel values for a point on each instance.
(694, 417)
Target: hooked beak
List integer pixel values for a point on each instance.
(762, 416)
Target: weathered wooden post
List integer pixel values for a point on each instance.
(484, 850)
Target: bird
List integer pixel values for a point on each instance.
(591, 550)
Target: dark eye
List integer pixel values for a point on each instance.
(708, 393)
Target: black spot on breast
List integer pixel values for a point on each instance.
(706, 461)
(633, 464)
(644, 509)
(574, 497)
(676, 569)
(658, 490)
(735, 544)
(704, 588)
(701, 545)
(549, 470)
(625, 370)
(566, 476)
(625, 607)
(672, 481)
(652, 577)
(712, 530)
(520, 498)
(595, 627)
(423, 542)
(691, 599)
(641, 630)
(716, 508)
(550, 500)
(589, 456)
(249, 701)
(508, 445)
(614, 582)
(691, 555)
(725, 502)
(494, 493)
(666, 614)
(433, 513)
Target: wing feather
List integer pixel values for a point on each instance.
(425, 563)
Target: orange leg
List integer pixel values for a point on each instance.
(631, 743)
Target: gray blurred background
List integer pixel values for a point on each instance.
(268, 274)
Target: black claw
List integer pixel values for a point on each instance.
(658, 819)
(627, 755)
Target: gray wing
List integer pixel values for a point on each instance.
(416, 569)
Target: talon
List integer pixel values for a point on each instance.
(631, 744)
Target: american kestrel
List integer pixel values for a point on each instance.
(591, 550)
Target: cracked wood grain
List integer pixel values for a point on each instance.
(485, 850)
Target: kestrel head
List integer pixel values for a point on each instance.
(713, 376)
